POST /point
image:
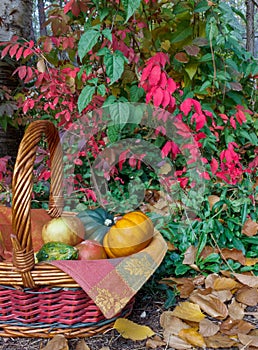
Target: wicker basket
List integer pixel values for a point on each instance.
(40, 300)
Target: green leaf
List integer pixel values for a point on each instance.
(136, 93)
(120, 114)
(114, 65)
(87, 41)
(113, 133)
(191, 70)
(130, 7)
(107, 34)
(181, 35)
(102, 90)
(85, 97)
(202, 6)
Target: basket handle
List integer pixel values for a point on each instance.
(23, 254)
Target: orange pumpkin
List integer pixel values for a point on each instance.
(130, 234)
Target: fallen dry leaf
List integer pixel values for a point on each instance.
(219, 341)
(236, 311)
(184, 285)
(233, 327)
(222, 295)
(249, 280)
(176, 342)
(247, 340)
(209, 281)
(189, 256)
(233, 254)
(171, 323)
(131, 330)
(58, 342)
(188, 311)
(250, 228)
(210, 304)
(251, 261)
(191, 336)
(208, 328)
(225, 283)
(154, 342)
(81, 345)
(247, 296)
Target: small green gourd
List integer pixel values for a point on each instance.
(57, 251)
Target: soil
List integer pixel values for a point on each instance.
(146, 312)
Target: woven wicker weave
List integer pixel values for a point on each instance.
(39, 300)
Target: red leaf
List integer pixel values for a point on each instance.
(171, 85)
(232, 122)
(22, 71)
(29, 75)
(146, 72)
(154, 77)
(5, 50)
(19, 53)
(122, 158)
(27, 52)
(163, 80)
(205, 175)
(166, 98)
(214, 165)
(13, 50)
(186, 106)
(192, 50)
(200, 120)
(181, 57)
(157, 97)
(240, 116)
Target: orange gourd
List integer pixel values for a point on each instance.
(130, 234)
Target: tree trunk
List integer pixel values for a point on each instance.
(16, 19)
(250, 36)
(42, 18)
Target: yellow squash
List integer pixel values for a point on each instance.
(130, 234)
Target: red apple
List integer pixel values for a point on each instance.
(91, 250)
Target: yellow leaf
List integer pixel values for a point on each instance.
(192, 336)
(131, 330)
(165, 45)
(224, 283)
(59, 342)
(251, 261)
(188, 311)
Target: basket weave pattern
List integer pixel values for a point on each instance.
(40, 299)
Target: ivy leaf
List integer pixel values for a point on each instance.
(130, 6)
(88, 40)
(114, 65)
(85, 97)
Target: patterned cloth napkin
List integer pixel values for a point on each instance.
(111, 283)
